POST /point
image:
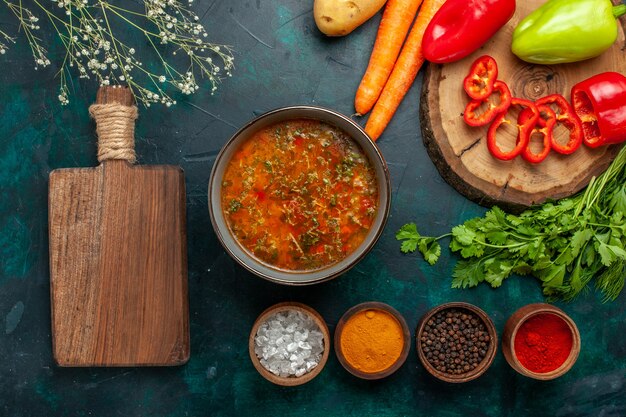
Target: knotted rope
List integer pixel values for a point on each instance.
(115, 126)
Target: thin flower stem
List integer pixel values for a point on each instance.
(6, 37)
(93, 49)
(67, 45)
(106, 5)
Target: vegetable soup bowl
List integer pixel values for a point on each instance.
(359, 207)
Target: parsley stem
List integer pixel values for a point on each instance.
(489, 245)
(599, 224)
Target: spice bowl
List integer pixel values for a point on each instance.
(284, 236)
(372, 340)
(456, 342)
(541, 341)
(284, 310)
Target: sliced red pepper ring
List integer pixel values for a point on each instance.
(482, 75)
(600, 103)
(473, 118)
(525, 126)
(568, 118)
(591, 132)
(543, 126)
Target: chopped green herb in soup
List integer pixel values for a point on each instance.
(299, 195)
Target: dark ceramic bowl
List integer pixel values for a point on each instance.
(269, 272)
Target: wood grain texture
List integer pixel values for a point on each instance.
(118, 261)
(115, 94)
(118, 265)
(460, 151)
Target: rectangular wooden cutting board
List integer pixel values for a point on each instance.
(118, 265)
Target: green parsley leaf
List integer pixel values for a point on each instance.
(408, 246)
(408, 231)
(431, 250)
(464, 235)
(497, 237)
(552, 276)
(574, 278)
(566, 244)
(607, 255)
(412, 241)
(579, 239)
(497, 271)
(467, 274)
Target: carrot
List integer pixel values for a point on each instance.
(394, 26)
(404, 72)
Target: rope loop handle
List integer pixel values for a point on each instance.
(115, 126)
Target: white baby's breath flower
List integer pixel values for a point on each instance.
(95, 48)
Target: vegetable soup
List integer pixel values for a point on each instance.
(299, 195)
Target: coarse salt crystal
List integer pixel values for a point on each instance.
(289, 343)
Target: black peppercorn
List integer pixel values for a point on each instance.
(455, 341)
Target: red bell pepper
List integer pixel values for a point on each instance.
(470, 114)
(462, 26)
(567, 118)
(543, 126)
(600, 103)
(525, 126)
(482, 75)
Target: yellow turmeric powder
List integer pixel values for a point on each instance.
(372, 341)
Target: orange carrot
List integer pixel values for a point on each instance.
(394, 26)
(404, 72)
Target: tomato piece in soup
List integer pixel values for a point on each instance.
(299, 195)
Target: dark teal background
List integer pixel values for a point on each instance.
(281, 59)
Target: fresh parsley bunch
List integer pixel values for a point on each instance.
(565, 244)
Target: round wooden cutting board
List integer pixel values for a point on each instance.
(460, 151)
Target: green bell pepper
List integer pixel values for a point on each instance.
(567, 31)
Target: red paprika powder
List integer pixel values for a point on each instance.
(543, 343)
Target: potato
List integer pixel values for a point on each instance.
(340, 17)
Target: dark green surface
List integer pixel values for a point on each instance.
(281, 60)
